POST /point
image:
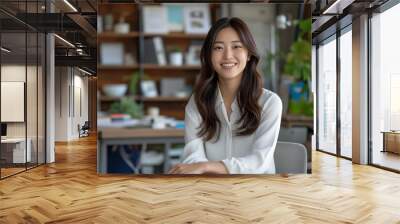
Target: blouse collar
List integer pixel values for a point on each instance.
(220, 101)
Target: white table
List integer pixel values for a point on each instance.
(127, 136)
(18, 145)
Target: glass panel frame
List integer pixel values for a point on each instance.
(326, 71)
(345, 98)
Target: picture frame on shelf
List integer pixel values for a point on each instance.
(197, 19)
(155, 19)
(148, 88)
(175, 17)
(112, 53)
(193, 54)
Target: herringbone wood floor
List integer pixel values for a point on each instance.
(70, 191)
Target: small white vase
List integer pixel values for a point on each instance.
(176, 58)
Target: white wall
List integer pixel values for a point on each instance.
(71, 102)
(260, 18)
(13, 73)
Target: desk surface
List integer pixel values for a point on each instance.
(391, 132)
(13, 140)
(120, 133)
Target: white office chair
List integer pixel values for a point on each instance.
(290, 158)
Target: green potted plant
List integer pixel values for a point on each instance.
(128, 105)
(298, 65)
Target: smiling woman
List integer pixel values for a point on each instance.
(231, 122)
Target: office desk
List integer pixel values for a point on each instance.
(17, 150)
(129, 136)
(391, 141)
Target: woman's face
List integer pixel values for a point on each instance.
(229, 55)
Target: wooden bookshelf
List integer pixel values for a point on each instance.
(146, 99)
(171, 67)
(117, 67)
(134, 44)
(113, 35)
(176, 35)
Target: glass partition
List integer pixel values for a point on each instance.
(327, 96)
(346, 93)
(14, 152)
(385, 89)
(22, 90)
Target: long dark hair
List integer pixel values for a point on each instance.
(249, 91)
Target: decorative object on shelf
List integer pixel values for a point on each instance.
(197, 19)
(112, 53)
(130, 59)
(176, 56)
(120, 117)
(171, 86)
(175, 17)
(193, 55)
(133, 83)
(122, 26)
(108, 22)
(115, 90)
(155, 19)
(127, 106)
(99, 23)
(283, 22)
(153, 112)
(149, 88)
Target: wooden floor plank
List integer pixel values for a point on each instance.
(70, 191)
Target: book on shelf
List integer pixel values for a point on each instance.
(149, 54)
(171, 86)
(154, 51)
(155, 19)
(160, 51)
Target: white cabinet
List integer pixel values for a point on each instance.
(18, 149)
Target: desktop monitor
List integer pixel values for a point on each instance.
(3, 129)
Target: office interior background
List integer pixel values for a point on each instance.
(46, 81)
(355, 158)
(137, 83)
(357, 81)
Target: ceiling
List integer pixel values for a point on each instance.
(77, 27)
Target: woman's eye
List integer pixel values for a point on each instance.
(236, 47)
(217, 48)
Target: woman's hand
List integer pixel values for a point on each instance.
(199, 168)
(194, 168)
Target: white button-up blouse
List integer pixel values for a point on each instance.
(251, 154)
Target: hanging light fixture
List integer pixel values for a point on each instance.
(70, 5)
(5, 50)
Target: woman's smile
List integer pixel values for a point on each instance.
(228, 65)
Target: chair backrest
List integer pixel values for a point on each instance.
(86, 125)
(290, 158)
(293, 134)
